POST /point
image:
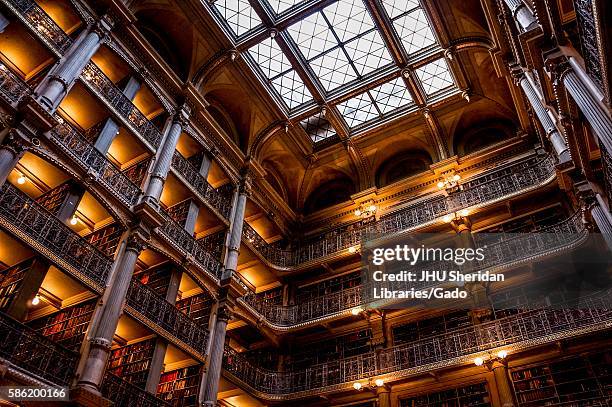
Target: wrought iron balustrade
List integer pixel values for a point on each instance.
(523, 330)
(606, 163)
(184, 242)
(147, 302)
(12, 88)
(23, 216)
(84, 153)
(507, 251)
(31, 351)
(40, 22)
(107, 90)
(125, 394)
(491, 187)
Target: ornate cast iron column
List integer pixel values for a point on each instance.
(62, 78)
(164, 159)
(213, 374)
(11, 150)
(101, 337)
(502, 381)
(544, 116)
(522, 14)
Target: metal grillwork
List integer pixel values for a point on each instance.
(125, 394)
(22, 214)
(73, 143)
(520, 330)
(146, 301)
(606, 162)
(567, 233)
(106, 89)
(492, 187)
(24, 347)
(184, 242)
(12, 89)
(588, 40)
(35, 17)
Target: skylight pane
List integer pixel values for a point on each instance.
(238, 14)
(358, 110)
(318, 127)
(414, 31)
(368, 52)
(280, 6)
(396, 7)
(349, 18)
(333, 69)
(292, 89)
(270, 58)
(312, 35)
(391, 95)
(435, 76)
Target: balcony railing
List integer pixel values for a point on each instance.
(84, 153)
(26, 218)
(108, 91)
(183, 241)
(155, 308)
(25, 348)
(519, 331)
(12, 88)
(38, 21)
(510, 250)
(500, 184)
(125, 394)
(221, 203)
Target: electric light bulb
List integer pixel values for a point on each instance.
(464, 212)
(357, 212)
(440, 184)
(456, 177)
(502, 354)
(352, 249)
(478, 361)
(372, 208)
(36, 300)
(357, 386)
(379, 382)
(74, 221)
(355, 311)
(21, 180)
(447, 218)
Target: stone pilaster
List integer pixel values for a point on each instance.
(502, 382)
(62, 78)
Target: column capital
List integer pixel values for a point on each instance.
(103, 27)
(182, 115)
(557, 64)
(136, 242)
(224, 313)
(14, 142)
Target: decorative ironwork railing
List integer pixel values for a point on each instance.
(125, 394)
(151, 305)
(509, 250)
(25, 217)
(38, 21)
(221, 203)
(27, 349)
(12, 88)
(104, 87)
(521, 330)
(494, 186)
(84, 153)
(606, 163)
(184, 242)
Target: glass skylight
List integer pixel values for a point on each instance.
(278, 70)
(435, 76)
(375, 103)
(411, 24)
(340, 43)
(280, 6)
(318, 127)
(238, 15)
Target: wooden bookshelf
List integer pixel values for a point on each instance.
(106, 239)
(137, 172)
(342, 346)
(53, 199)
(132, 362)
(577, 381)
(197, 307)
(10, 282)
(273, 296)
(157, 278)
(180, 387)
(329, 286)
(429, 327)
(179, 211)
(68, 326)
(475, 395)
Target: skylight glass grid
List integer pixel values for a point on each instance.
(435, 76)
(414, 31)
(280, 6)
(395, 8)
(318, 127)
(340, 43)
(276, 67)
(238, 15)
(375, 103)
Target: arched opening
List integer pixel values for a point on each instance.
(482, 136)
(330, 193)
(402, 165)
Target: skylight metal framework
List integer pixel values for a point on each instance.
(333, 53)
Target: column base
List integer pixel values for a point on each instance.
(88, 396)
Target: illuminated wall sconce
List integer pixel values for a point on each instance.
(22, 179)
(366, 210)
(370, 385)
(36, 300)
(356, 311)
(450, 183)
(489, 359)
(352, 249)
(74, 220)
(456, 215)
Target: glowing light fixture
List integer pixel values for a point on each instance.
(36, 300)
(21, 180)
(502, 354)
(478, 361)
(352, 249)
(74, 220)
(357, 386)
(379, 382)
(356, 311)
